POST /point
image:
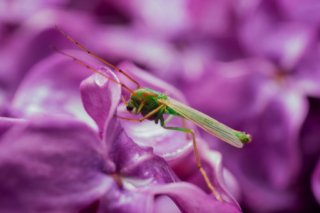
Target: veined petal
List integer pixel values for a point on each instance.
(54, 85)
(51, 165)
(100, 97)
(189, 198)
(140, 166)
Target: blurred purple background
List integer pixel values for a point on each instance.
(252, 64)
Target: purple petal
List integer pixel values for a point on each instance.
(175, 197)
(175, 18)
(284, 43)
(271, 163)
(127, 202)
(210, 17)
(182, 18)
(284, 159)
(164, 203)
(7, 123)
(54, 85)
(58, 162)
(191, 199)
(316, 182)
(307, 72)
(133, 44)
(166, 143)
(306, 11)
(13, 11)
(239, 81)
(135, 162)
(100, 98)
(31, 42)
(140, 170)
(221, 178)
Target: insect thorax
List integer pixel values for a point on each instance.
(144, 100)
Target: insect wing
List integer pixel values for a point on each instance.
(207, 123)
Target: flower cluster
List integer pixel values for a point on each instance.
(68, 150)
(253, 65)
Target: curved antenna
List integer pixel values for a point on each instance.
(82, 63)
(81, 46)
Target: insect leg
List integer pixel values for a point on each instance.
(196, 153)
(81, 46)
(140, 107)
(184, 124)
(123, 99)
(156, 110)
(86, 65)
(128, 119)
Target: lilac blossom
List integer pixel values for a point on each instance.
(61, 152)
(13, 12)
(251, 64)
(268, 69)
(271, 79)
(24, 46)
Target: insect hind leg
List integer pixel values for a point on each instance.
(196, 153)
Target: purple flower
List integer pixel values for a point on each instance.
(265, 77)
(305, 11)
(68, 163)
(27, 44)
(266, 92)
(251, 64)
(182, 18)
(13, 12)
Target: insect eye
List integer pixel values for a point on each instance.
(129, 108)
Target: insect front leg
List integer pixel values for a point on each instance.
(196, 153)
(156, 110)
(141, 107)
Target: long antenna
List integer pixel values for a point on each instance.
(98, 57)
(82, 63)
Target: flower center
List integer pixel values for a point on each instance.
(117, 179)
(280, 76)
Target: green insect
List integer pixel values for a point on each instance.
(153, 105)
